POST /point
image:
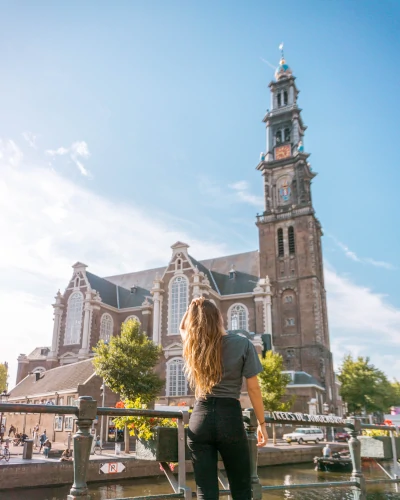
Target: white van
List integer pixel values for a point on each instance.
(305, 435)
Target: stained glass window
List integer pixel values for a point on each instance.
(238, 317)
(177, 385)
(178, 303)
(106, 327)
(74, 319)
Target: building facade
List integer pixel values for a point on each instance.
(275, 293)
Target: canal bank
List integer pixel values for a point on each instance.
(40, 472)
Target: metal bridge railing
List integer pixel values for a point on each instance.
(86, 411)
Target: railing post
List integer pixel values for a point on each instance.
(359, 491)
(182, 455)
(251, 430)
(87, 409)
(396, 467)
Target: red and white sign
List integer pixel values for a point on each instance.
(112, 468)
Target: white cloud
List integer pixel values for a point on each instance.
(77, 150)
(361, 322)
(243, 194)
(10, 154)
(50, 223)
(364, 260)
(30, 139)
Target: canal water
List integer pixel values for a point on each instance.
(286, 474)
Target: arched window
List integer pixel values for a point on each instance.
(238, 317)
(285, 97)
(287, 134)
(132, 317)
(106, 327)
(292, 246)
(178, 303)
(279, 98)
(176, 380)
(281, 248)
(74, 319)
(278, 137)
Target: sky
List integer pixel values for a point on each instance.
(126, 126)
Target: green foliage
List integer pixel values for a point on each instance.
(364, 387)
(142, 427)
(395, 398)
(3, 376)
(127, 364)
(273, 383)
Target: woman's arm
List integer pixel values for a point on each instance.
(254, 391)
(182, 326)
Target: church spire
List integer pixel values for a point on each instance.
(283, 70)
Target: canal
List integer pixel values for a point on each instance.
(287, 474)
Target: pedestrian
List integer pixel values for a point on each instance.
(2, 432)
(46, 448)
(326, 451)
(66, 456)
(12, 429)
(215, 364)
(36, 436)
(42, 440)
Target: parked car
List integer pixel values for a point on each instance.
(342, 436)
(305, 435)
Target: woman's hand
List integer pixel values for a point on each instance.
(262, 436)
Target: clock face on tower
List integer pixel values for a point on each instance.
(283, 152)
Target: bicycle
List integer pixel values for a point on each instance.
(5, 453)
(97, 449)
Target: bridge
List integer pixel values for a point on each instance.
(86, 411)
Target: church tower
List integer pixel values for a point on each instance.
(290, 240)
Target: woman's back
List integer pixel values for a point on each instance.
(239, 359)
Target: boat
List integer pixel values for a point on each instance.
(335, 463)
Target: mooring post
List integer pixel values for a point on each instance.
(251, 430)
(359, 491)
(87, 409)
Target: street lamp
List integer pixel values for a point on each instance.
(325, 408)
(3, 399)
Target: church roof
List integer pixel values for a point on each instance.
(57, 379)
(304, 378)
(247, 272)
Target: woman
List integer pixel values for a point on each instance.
(215, 364)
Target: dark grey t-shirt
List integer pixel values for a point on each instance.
(239, 359)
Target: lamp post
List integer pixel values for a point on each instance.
(3, 398)
(325, 408)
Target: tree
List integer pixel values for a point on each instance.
(364, 388)
(127, 364)
(3, 376)
(273, 385)
(395, 398)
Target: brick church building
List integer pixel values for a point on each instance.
(276, 293)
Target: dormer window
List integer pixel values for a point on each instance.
(279, 99)
(285, 97)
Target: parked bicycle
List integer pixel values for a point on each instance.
(5, 453)
(97, 449)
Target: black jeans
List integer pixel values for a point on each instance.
(216, 425)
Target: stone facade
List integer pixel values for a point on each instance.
(278, 290)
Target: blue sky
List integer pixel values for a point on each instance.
(124, 126)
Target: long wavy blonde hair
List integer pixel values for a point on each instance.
(202, 330)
